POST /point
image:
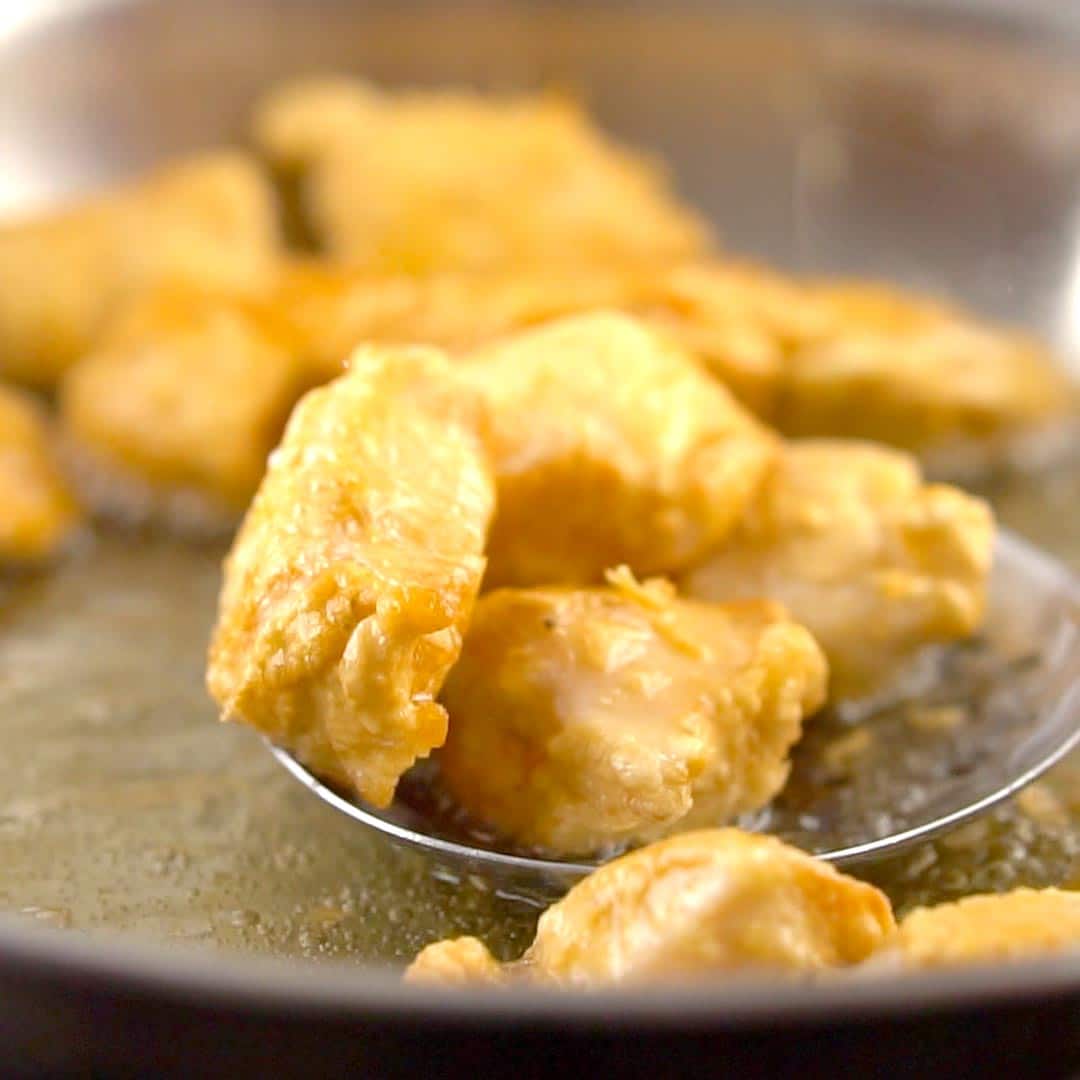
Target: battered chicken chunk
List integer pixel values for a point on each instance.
(904, 371)
(611, 446)
(703, 903)
(581, 719)
(176, 411)
(37, 512)
(754, 331)
(1011, 926)
(210, 219)
(423, 181)
(871, 560)
(349, 586)
(177, 407)
(456, 962)
(860, 360)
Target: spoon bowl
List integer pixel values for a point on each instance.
(965, 727)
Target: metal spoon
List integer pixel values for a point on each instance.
(969, 727)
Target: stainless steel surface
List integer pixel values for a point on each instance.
(905, 141)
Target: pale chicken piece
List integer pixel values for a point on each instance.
(456, 962)
(707, 903)
(581, 719)
(175, 413)
(38, 515)
(873, 561)
(611, 445)
(424, 180)
(1018, 925)
(349, 586)
(210, 219)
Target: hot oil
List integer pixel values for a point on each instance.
(125, 805)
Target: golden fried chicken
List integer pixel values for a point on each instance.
(743, 321)
(349, 586)
(333, 308)
(38, 515)
(860, 360)
(943, 390)
(611, 446)
(586, 718)
(874, 562)
(703, 903)
(753, 330)
(177, 409)
(188, 388)
(210, 219)
(423, 180)
(1012, 926)
(456, 962)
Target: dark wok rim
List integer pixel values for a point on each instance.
(259, 986)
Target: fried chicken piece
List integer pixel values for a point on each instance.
(742, 320)
(333, 308)
(456, 962)
(349, 586)
(39, 515)
(912, 372)
(176, 411)
(424, 180)
(712, 902)
(210, 219)
(874, 562)
(611, 446)
(1012, 926)
(860, 360)
(582, 719)
(751, 329)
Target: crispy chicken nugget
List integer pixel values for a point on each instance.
(209, 219)
(702, 903)
(1012, 926)
(423, 180)
(37, 512)
(874, 562)
(176, 411)
(857, 359)
(611, 446)
(582, 719)
(939, 390)
(349, 586)
(456, 962)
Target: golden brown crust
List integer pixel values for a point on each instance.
(1012, 926)
(188, 392)
(708, 902)
(582, 719)
(422, 181)
(349, 586)
(463, 961)
(711, 903)
(39, 514)
(209, 219)
(610, 446)
(873, 561)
